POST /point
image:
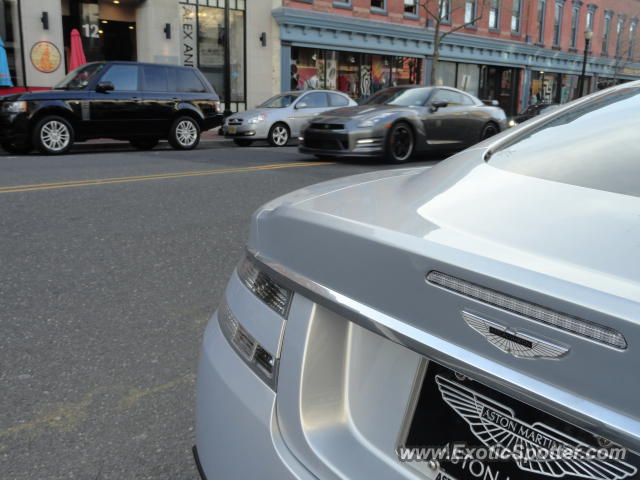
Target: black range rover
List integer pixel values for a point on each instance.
(139, 102)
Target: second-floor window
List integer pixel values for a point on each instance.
(605, 32)
(411, 7)
(542, 9)
(469, 11)
(574, 26)
(619, 30)
(445, 11)
(557, 21)
(379, 4)
(515, 16)
(494, 14)
(633, 26)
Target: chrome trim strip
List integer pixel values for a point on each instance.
(578, 326)
(590, 416)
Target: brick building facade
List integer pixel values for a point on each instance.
(518, 52)
(356, 46)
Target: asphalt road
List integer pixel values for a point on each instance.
(111, 263)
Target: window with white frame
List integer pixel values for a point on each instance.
(411, 7)
(633, 27)
(542, 10)
(575, 18)
(619, 30)
(557, 21)
(516, 12)
(494, 14)
(606, 31)
(445, 11)
(470, 11)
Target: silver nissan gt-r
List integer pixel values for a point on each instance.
(479, 319)
(399, 122)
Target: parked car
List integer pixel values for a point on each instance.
(282, 116)
(489, 301)
(399, 122)
(532, 111)
(139, 102)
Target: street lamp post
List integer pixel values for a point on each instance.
(227, 61)
(588, 34)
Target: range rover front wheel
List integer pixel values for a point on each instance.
(184, 133)
(53, 135)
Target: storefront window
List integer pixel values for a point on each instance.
(359, 75)
(446, 74)
(468, 78)
(544, 87)
(211, 49)
(380, 72)
(349, 73)
(406, 71)
(10, 35)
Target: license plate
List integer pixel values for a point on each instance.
(232, 130)
(474, 432)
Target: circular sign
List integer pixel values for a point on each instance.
(46, 57)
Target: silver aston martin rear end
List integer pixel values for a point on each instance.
(479, 319)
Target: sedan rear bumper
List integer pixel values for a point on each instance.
(237, 435)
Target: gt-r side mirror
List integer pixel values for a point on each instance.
(104, 87)
(438, 104)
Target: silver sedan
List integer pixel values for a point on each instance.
(473, 320)
(282, 116)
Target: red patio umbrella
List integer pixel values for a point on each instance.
(77, 53)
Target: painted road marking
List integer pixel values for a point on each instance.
(159, 176)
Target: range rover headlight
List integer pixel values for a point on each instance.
(277, 297)
(14, 107)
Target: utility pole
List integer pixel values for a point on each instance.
(227, 62)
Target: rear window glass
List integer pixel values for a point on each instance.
(155, 78)
(593, 145)
(336, 100)
(185, 80)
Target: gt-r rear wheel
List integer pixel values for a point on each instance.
(489, 130)
(400, 143)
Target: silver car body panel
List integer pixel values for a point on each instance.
(364, 321)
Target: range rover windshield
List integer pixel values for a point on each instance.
(593, 145)
(80, 77)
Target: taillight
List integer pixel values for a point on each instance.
(277, 297)
(262, 362)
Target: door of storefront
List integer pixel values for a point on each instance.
(107, 28)
(501, 84)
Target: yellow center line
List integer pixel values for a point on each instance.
(159, 176)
